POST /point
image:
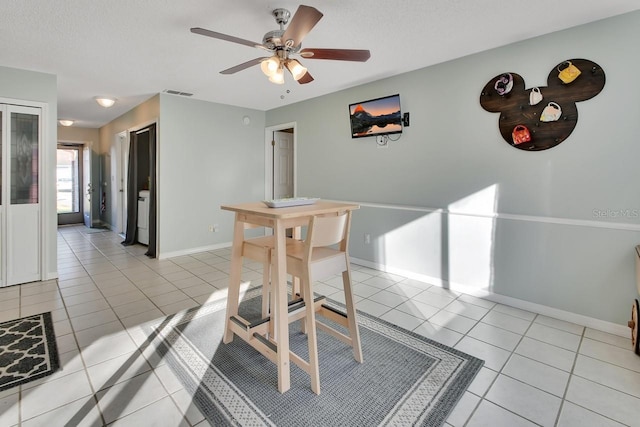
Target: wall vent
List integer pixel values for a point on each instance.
(177, 92)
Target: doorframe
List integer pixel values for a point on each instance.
(138, 127)
(119, 198)
(78, 146)
(47, 165)
(89, 172)
(268, 157)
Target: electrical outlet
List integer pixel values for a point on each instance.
(216, 228)
(211, 228)
(367, 239)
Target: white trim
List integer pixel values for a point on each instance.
(39, 109)
(268, 156)
(191, 251)
(590, 322)
(511, 217)
(139, 127)
(117, 196)
(567, 316)
(48, 258)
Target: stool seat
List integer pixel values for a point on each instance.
(260, 249)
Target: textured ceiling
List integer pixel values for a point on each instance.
(133, 49)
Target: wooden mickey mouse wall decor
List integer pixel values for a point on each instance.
(539, 118)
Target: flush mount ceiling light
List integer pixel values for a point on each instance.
(64, 122)
(283, 43)
(104, 101)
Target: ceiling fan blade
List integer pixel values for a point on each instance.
(225, 37)
(243, 66)
(307, 78)
(359, 55)
(305, 18)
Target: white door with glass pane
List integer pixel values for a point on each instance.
(20, 195)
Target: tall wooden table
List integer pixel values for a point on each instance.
(279, 219)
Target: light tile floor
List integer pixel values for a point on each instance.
(538, 371)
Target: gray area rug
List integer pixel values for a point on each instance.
(405, 379)
(28, 350)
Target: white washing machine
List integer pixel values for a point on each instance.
(143, 217)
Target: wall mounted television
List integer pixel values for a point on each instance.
(380, 116)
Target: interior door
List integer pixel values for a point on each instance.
(282, 165)
(88, 185)
(21, 194)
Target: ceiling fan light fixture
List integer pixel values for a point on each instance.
(104, 101)
(285, 42)
(278, 76)
(270, 65)
(65, 122)
(296, 68)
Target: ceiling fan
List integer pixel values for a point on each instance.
(282, 44)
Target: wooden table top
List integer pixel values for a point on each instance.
(318, 208)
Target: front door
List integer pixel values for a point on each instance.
(88, 185)
(69, 184)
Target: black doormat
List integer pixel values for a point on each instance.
(28, 350)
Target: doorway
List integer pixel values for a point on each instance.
(69, 175)
(280, 167)
(141, 185)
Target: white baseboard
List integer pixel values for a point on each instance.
(50, 275)
(567, 316)
(191, 251)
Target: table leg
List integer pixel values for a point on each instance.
(295, 281)
(297, 235)
(233, 296)
(279, 290)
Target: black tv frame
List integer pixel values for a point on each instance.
(365, 123)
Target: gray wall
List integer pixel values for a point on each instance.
(207, 157)
(537, 226)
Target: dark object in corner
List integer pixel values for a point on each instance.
(405, 120)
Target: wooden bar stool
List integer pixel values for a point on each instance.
(259, 249)
(315, 259)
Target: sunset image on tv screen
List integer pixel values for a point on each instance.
(376, 117)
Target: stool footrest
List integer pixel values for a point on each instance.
(259, 322)
(266, 342)
(334, 315)
(239, 322)
(293, 305)
(335, 310)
